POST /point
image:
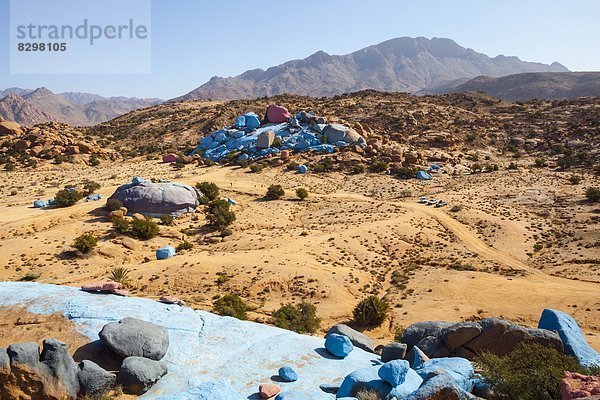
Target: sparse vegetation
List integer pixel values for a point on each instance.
(90, 187)
(113, 204)
(257, 168)
(67, 198)
(31, 276)
(379, 166)
(85, 243)
(120, 275)
(371, 311)
(185, 245)
(575, 179)
(292, 166)
(593, 194)
(167, 219)
(144, 228)
(540, 163)
(358, 169)
(209, 189)
(275, 192)
(231, 305)
(301, 193)
(301, 318)
(121, 225)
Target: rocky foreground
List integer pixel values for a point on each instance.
(165, 351)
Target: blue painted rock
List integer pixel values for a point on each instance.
(440, 387)
(338, 345)
(358, 339)
(573, 340)
(412, 382)
(302, 169)
(394, 372)
(287, 373)
(364, 378)
(165, 252)
(459, 369)
(40, 204)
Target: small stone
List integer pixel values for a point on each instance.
(288, 374)
(338, 345)
(268, 390)
(393, 351)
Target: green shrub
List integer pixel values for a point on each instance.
(167, 219)
(209, 189)
(325, 165)
(144, 228)
(406, 172)
(512, 165)
(358, 169)
(593, 194)
(292, 166)
(277, 143)
(90, 187)
(121, 225)
(94, 161)
(398, 333)
(185, 245)
(575, 179)
(113, 204)
(219, 215)
(222, 278)
(540, 163)
(85, 243)
(66, 197)
(530, 372)
(275, 192)
(301, 193)
(371, 311)
(476, 167)
(379, 166)
(231, 305)
(31, 276)
(565, 162)
(120, 275)
(226, 231)
(256, 167)
(301, 318)
(9, 167)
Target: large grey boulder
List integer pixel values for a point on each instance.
(456, 335)
(265, 140)
(358, 339)
(420, 330)
(393, 351)
(63, 368)
(341, 133)
(93, 379)
(139, 374)
(134, 337)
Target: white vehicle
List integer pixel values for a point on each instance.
(432, 202)
(422, 199)
(441, 203)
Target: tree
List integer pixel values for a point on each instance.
(302, 193)
(67, 198)
(219, 215)
(275, 192)
(85, 243)
(371, 311)
(301, 318)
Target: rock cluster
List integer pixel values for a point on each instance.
(53, 374)
(48, 141)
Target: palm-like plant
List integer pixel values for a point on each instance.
(120, 275)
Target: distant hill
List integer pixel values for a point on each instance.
(29, 107)
(523, 87)
(403, 64)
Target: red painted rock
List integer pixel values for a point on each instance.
(105, 286)
(285, 154)
(169, 158)
(119, 292)
(268, 390)
(577, 386)
(171, 300)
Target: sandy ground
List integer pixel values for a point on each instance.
(522, 241)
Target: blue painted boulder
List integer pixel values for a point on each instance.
(302, 169)
(573, 340)
(252, 121)
(209, 390)
(459, 369)
(416, 357)
(338, 345)
(40, 204)
(412, 382)
(364, 378)
(165, 252)
(288, 374)
(137, 180)
(394, 372)
(439, 387)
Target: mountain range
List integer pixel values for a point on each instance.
(397, 65)
(29, 107)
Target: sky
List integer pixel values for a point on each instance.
(193, 40)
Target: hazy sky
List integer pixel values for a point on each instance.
(193, 40)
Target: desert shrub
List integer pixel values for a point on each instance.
(379, 166)
(120, 275)
(406, 172)
(89, 187)
(371, 311)
(144, 228)
(167, 219)
(121, 225)
(565, 162)
(219, 214)
(209, 189)
(85, 243)
(277, 143)
(301, 318)
(301, 193)
(113, 204)
(512, 165)
(231, 305)
(94, 161)
(476, 167)
(66, 197)
(540, 163)
(325, 165)
(14, 192)
(256, 168)
(222, 278)
(593, 194)
(367, 394)
(292, 166)
(9, 167)
(406, 192)
(185, 245)
(530, 372)
(490, 167)
(275, 192)
(358, 169)
(398, 333)
(456, 208)
(575, 179)
(226, 231)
